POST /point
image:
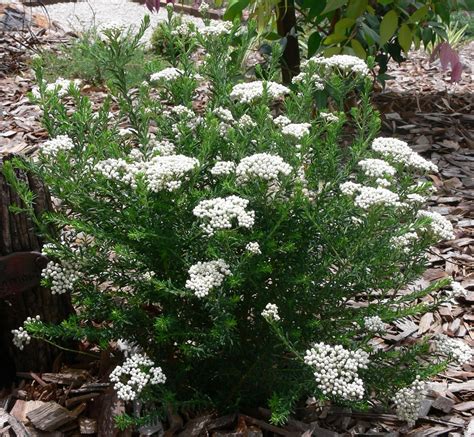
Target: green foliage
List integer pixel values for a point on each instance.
(131, 233)
(383, 29)
(83, 58)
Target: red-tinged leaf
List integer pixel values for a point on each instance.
(435, 52)
(444, 55)
(456, 72)
(152, 5)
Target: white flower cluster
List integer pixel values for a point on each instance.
(221, 211)
(134, 374)
(349, 188)
(440, 226)
(223, 168)
(282, 121)
(370, 196)
(342, 63)
(336, 370)
(182, 111)
(416, 198)
(403, 242)
(169, 74)
(408, 401)
(224, 114)
(247, 122)
(271, 312)
(62, 276)
(119, 170)
(61, 87)
(329, 117)
(167, 172)
(184, 30)
(204, 276)
(261, 165)
(296, 130)
(376, 168)
(458, 350)
(20, 336)
(253, 247)
(248, 92)
(203, 8)
(53, 146)
(163, 147)
(313, 80)
(374, 324)
(401, 153)
(216, 29)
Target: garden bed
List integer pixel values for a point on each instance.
(439, 125)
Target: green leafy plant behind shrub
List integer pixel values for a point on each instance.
(248, 252)
(83, 58)
(382, 29)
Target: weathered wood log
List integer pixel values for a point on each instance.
(22, 296)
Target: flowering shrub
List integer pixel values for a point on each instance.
(245, 252)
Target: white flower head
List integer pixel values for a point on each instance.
(271, 312)
(253, 247)
(131, 378)
(204, 276)
(342, 64)
(223, 168)
(168, 172)
(21, 336)
(399, 152)
(408, 401)
(219, 213)
(377, 168)
(374, 324)
(249, 92)
(458, 350)
(62, 276)
(55, 145)
(262, 166)
(296, 130)
(169, 74)
(440, 226)
(370, 196)
(335, 370)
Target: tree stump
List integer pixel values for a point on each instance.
(20, 293)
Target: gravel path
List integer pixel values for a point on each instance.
(104, 13)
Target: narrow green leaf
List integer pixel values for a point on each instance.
(388, 26)
(405, 37)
